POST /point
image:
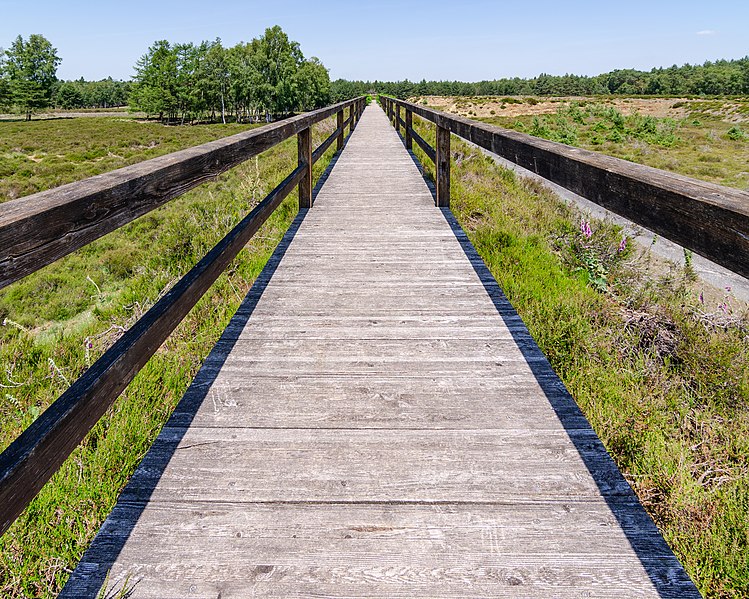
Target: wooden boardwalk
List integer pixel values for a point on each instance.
(377, 422)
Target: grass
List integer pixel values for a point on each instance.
(41, 154)
(60, 319)
(702, 145)
(662, 377)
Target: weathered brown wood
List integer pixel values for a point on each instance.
(409, 130)
(351, 118)
(41, 228)
(398, 119)
(320, 150)
(709, 219)
(377, 422)
(29, 462)
(304, 147)
(443, 167)
(422, 143)
(340, 128)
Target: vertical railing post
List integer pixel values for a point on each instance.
(339, 126)
(443, 167)
(398, 118)
(409, 128)
(352, 116)
(304, 147)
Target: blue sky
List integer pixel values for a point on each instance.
(387, 40)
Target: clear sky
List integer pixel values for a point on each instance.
(388, 40)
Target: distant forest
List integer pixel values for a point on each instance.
(719, 78)
(269, 77)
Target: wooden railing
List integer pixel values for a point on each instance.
(709, 219)
(41, 228)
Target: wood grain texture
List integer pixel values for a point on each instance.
(41, 228)
(322, 148)
(340, 126)
(304, 153)
(442, 163)
(422, 143)
(409, 127)
(376, 421)
(709, 219)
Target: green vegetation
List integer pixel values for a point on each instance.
(722, 77)
(43, 154)
(263, 79)
(56, 322)
(268, 77)
(29, 69)
(701, 145)
(105, 93)
(660, 370)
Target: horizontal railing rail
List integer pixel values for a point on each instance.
(708, 219)
(90, 209)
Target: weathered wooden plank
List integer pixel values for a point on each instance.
(321, 149)
(409, 129)
(29, 462)
(422, 143)
(320, 465)
(376, 401)
(43, 227)
(304, 152)
(442, 163)
(340, 128)
(709, 219)
(452, 550)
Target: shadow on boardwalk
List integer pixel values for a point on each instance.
(665, 572)
(106, 547)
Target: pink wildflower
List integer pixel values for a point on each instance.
(585, 229)
(622, 244)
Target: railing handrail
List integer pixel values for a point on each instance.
(709, 219)
(38, 229)
(31, 460)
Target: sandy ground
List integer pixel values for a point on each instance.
(488, 106)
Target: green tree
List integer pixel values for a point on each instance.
(155, 81)
(69, 95)
(4, 84)
(242, 75)
(313, 83)
(30, 68)
(217, 75)
(276, 60)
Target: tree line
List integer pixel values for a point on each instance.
(264, 79)
(719, 78)
(270, 78)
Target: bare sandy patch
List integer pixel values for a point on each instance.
(489, 106)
